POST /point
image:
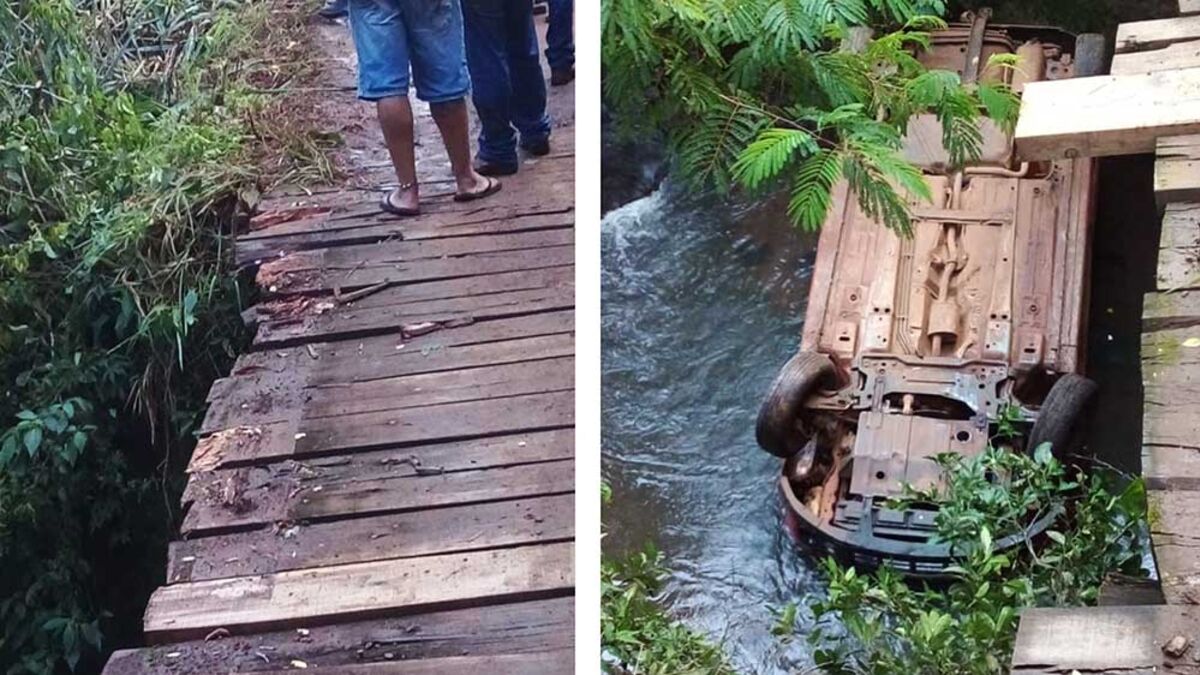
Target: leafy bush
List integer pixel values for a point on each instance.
(879, 623)
(123, 150)
(752, 91)
(636, 636)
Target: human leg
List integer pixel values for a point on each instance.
(527, 101)
(560, 41)
(381, 44)
(486, 30)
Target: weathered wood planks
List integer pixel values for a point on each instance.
(1106, 115)
(514, 522)
(359, 590)
(1175, 56)
(1154, 34)
(1189, 7)
(1103, 640)
(1177, 172)
(518, 628)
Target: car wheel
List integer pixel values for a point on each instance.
(1063, 416)
(778, 430)
(1091, 55)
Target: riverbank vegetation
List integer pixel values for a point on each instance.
(761, 94)
(132, 136)
(878, 623)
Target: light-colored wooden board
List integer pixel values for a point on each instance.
(516, 628)
(1125, 640)
(552, 663)
(1177, 171)
(1172, 57)
(1173, 517)
(344, 592)
(1187, 7)
(1156, 33)
(1106, 115)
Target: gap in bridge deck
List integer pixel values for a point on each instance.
(1124, 260)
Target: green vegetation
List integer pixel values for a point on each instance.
(878, 623)
(128, 145)
(636, 636)
(758, 92)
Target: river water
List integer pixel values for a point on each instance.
(702, 301)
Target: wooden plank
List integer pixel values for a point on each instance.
(239, 499)
(366, 230)
(1106, 115)
(554, 663)
(1172, 467)
(1173, 516)
(345, 361)
(274, 397)
(1177, 169)
(517, 628)
(359, 590)
(1103, 640)
(350, 268)
(1179, 244)
(1137, 36)
(1172, 57)
(1170, 310)
(346, 323)
(373, 431)
(451, 529)
(1189, 7)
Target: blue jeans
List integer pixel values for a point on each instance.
(389, 35)
(509, 89)
(560, 35)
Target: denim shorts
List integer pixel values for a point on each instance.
(390, 35)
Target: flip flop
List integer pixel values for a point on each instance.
(492, 188)
(387, 206)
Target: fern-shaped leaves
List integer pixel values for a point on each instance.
(1002, 105)
(812, 188)
(771, 153)
(709, 147)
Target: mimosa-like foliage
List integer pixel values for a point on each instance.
(752, 92)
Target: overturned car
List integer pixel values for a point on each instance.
(917, 346)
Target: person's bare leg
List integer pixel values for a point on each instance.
(452, 121)
(396, 120)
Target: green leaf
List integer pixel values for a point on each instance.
(770, 153)
(1043, 454)
(33, 439)
(812, 189)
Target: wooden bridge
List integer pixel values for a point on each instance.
(1150, 104)
(385, 481)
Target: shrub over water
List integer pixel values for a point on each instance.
(122, 155)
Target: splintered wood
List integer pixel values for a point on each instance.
(385, 481)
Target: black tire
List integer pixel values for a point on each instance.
(1063, 417)
(777, 429)
(1091, 55)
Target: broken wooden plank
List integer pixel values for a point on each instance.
(248, 497)
(1177, 170)
(369, 230)
(1106, 115)
(1172, 57)
(1156, 33)
(353, 267)
(353, 322)
(516, 628)
(374, 431)
(346, 360)
(452, 529)
(1103, 639)
(318, 596)
(274, 397)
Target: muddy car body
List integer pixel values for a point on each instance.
(915, 346)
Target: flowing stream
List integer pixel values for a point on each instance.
(702, 301)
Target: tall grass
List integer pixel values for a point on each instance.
(125, 145)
